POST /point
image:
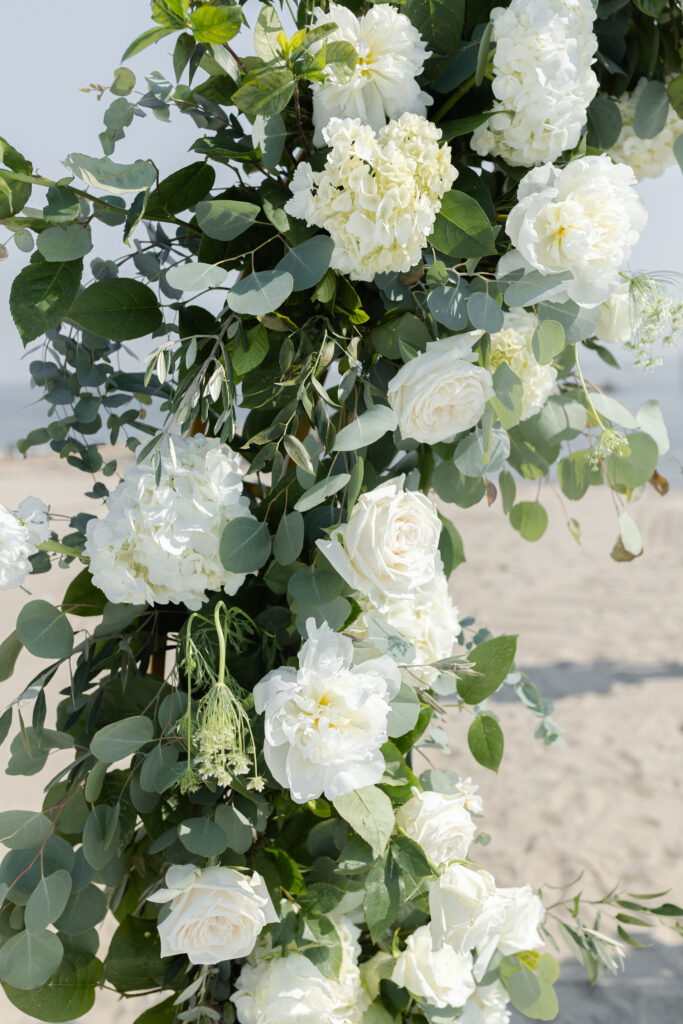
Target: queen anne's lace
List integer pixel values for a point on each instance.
(513, 345)
(648, 157)
(377, 195)
(542, 77)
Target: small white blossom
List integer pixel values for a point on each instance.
(513, 345)
(649, 158)
(391, 56)
(441, 977)
(19, 536)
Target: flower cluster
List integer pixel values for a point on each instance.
(19, 536)
(581, 221)
(377, 195)
(642, 314)
(649, 158)
(542, 82)
(391, 56)
(513, 345)
(159, 542)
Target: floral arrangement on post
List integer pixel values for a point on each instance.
(373, 285)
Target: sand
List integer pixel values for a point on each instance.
(602, 639)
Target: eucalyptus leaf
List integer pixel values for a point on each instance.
(47, 901)
(60, 244)
(245, 545)
(45, 631)
(308, 261)
(261, 292)
(366, 429)
(121, 739)
(195, 277)
(108, 176)
(226, 219)
(28, 959)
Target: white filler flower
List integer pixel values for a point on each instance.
(649, 158)
(378, 195)
(326, 721)
(488, 1005)
(441, 977)
(583, 220)
(542, 76)
(441, 392)
(440, 824)
(19, 535)
(390, 545)
(216, 914)
(513, 345)
(159, 544)
(391, 55)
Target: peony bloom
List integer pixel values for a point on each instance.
(649, 158)
(159, 544)
(378, 195)
(543, 77)
(19, 536)
(487, 1006)
(440, 824)
(216, 914)
(390, 546)
(616, 325)
(326, 721)
(583, 219)
(441, 977)
(391, 55)
(441, 392)
(513, 345)
(465, 908)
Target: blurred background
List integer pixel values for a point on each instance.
(602, 639)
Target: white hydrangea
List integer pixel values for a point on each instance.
(649, 158)
(19, 536)
(543, 76)
(326, 721)
(391, 55)
(488, 1005)
(378, 194)
(583, 219)
(159, 544)
(513, 345)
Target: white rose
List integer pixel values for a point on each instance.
(441, 977)
(441, 392)
(440, 824)
(465, 908)
(523, 915)
(583, 219)
(15, 549)
(615, 325)
(216, 914)
(326, 721)
(390, 545)
(487, 1006)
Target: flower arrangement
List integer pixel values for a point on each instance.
(369, 293)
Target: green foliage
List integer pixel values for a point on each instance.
(491, 662)
(369, 813)
(245, 545)
(44, 631)
(485, 740)
(42, 294)
(121, 739)
(462, 228)
(120, 309)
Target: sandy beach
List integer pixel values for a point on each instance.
(603, 640)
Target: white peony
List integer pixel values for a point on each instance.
(390, 546)
(487, 1006)
(440, 824)
(441, 977)
(513, 345)
(616, 323)
(583, 219)
(543, 81)
(649, 158)
(160, 543)
(216, 914)
(377, 195)
(391, 55)
(441, 392)
(326, 721)
(465, 908)
(19, 536)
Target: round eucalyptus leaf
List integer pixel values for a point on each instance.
(529, 518)
(84, 910)
(485, 313)
(67, 995)
(59, 244)
(203, 837)
(101, 835)
(44, 630)
(20, 830)
(195, 277)
(245, 545)
(28, 959)
(652, 110)
(47, 901)
(121, 739)
(225, 219)
(308, 261)
(261, 292)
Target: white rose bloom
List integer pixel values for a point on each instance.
(377, 195)
(160, 544)
(583, 219)
(542, 76)
(441, 977)
(440, 824)
(487, 1006)
(513, 345)
(649, 158)
(32, 512)
(441, 392)
(326, 721)
(467, 792)
(465, 908)
(390, 546)
(216, 914)
(391, 55)
(19, 535)
(616, 323)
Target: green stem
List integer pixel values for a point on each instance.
(586, 392)
(452, 100)
(221, 642)
(63, 549)
(32, 179)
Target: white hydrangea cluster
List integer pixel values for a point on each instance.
(513, 345)
(19, 536)
(543, 77)
(391, 55)
(159, 543)
(649, 158)
(378, 194)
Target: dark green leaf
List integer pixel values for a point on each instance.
(120, 309)
(369, 813)
(485, 740)
(10, 649)
(42, 294)
(264, 92)
(180, 191)
(134, 959)
(462, 229)
(492, 660)
(381, 900)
